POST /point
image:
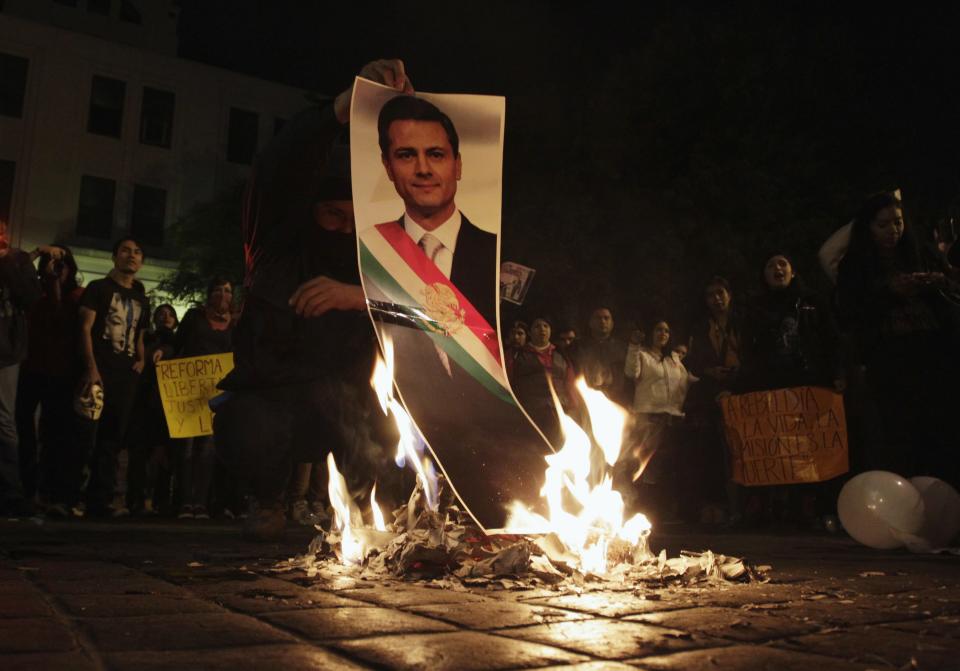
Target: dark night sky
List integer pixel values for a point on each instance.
(641, 143)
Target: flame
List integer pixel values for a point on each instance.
(378, 523)
(345, 514)
(410, 447)
(382, 378)
(607, 421)
(585, 516)
(355, 539)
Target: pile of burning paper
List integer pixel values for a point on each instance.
(583, 540)
(443, 546)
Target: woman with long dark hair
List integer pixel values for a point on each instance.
(714, 358)
(528, 368)
(148, 440)
(897, 299)
(47, 379)
(206, 329)
(790, 338)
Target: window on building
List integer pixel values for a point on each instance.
(8, 170)
(278, 125)
(95, 212)
(148, 214)
(13, 84)
(106, 106)
(156, 117)
(242, 138)
(129, 12)
(99, 7)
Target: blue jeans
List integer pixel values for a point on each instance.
(10, 487)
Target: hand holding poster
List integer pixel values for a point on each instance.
(786, 436)
(186, 386)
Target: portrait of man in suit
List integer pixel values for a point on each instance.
(420, 151)
(431, 280)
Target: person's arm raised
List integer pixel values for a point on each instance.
(387, 71)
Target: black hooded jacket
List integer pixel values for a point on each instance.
(789, 339)
(284, 248)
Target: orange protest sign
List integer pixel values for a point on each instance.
(786, 436)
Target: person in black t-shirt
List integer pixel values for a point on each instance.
(114, 314)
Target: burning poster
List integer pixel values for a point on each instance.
(786, 436)
(427, 188)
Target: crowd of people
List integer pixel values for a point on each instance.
(83, 424)
(886, 338)
(82, 430)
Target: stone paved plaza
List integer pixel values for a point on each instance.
(163, 595)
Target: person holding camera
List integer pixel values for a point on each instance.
(19, 289)
(47, 378)
(899, 301)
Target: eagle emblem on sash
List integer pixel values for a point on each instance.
(443, 308)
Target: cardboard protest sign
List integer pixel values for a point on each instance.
(186, 386)
(786, 436)
(426, 174)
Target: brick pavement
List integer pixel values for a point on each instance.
(165, 595)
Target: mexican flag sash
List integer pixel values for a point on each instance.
(419, 291)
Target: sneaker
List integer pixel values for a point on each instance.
(200, 513)
(58, 511)
(300, 513)
(266, 524)
(186, 512)
(119, 511)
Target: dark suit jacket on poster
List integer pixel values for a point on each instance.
(486, 445)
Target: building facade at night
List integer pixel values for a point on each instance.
(105, 131)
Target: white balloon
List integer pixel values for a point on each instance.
(874, 503)
(941, 504)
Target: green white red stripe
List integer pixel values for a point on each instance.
(474, 346)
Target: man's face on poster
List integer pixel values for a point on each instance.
(422, 166)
